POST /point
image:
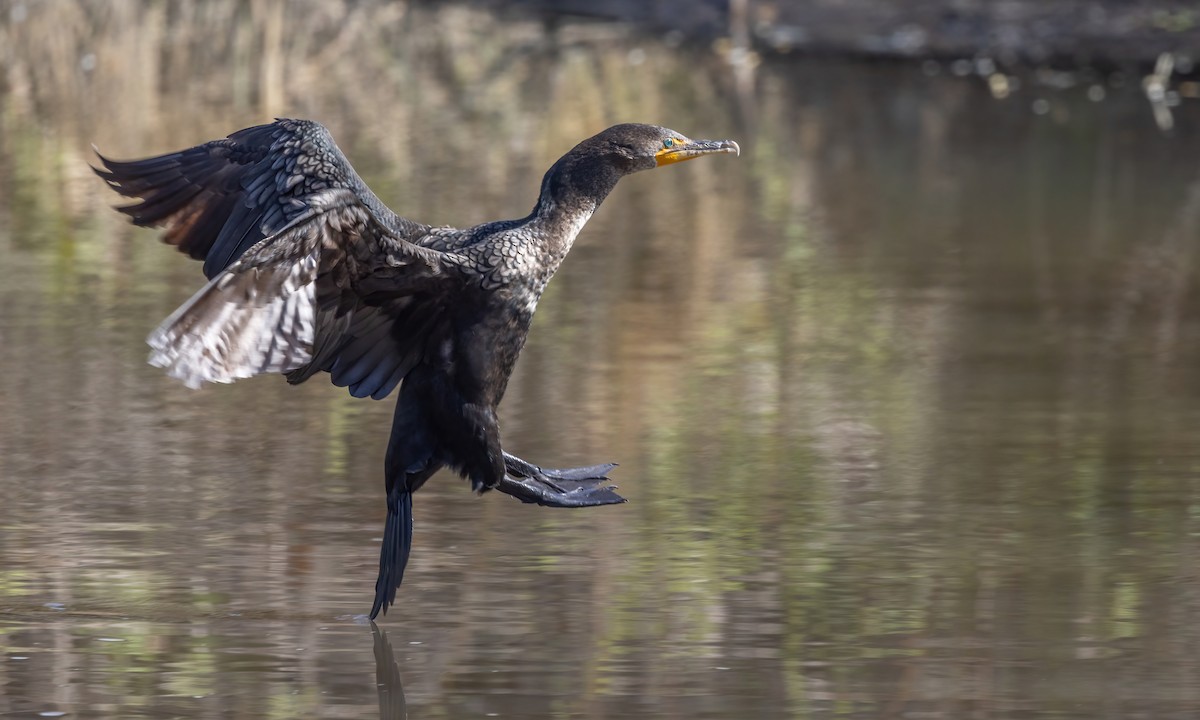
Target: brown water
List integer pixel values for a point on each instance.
(906, 399)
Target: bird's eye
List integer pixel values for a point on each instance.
(669, 142)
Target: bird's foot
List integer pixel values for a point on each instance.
(566, 487)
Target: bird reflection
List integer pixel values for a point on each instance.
(392, 705)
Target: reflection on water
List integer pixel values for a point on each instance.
(905, 399)
(387, 678)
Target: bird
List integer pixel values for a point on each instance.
(309, 271)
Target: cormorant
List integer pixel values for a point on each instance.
(309, 271)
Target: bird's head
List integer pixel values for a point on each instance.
(631, 147)
(586, 174)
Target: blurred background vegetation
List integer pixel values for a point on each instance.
(904, 398)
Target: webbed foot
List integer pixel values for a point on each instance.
(566, 487)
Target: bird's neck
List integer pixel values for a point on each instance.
(557, 224)
(571, 191)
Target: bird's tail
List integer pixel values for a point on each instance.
(397, 542)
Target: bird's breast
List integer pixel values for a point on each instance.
(482, 350)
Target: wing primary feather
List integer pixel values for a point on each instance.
(371, 384)
(360, 371)
(386, 387)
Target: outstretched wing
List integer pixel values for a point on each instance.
(297, 296)
(219, 199)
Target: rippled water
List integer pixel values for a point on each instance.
(905, 399)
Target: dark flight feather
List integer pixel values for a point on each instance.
(219, 199)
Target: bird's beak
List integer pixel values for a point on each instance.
(691, 149)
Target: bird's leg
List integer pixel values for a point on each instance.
(568, 487)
